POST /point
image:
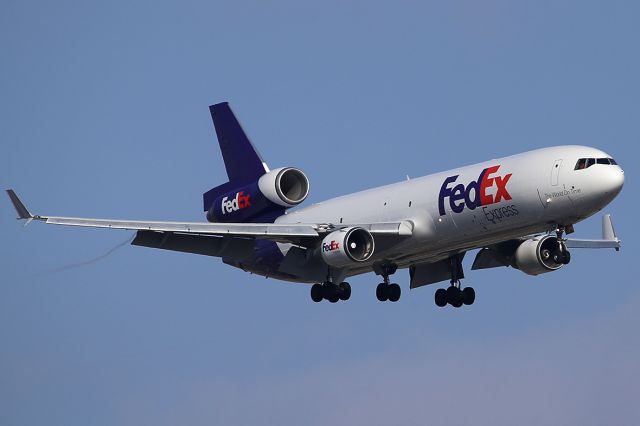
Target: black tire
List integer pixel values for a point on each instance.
(382, 292)
(454, 296)
(394, 291)
(345, 291)
(316, 293)
(468, 296)
(329, 290)
(333, 298)
(441, 297)
(567, 257)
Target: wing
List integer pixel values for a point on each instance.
(609, 237)
(297, 233)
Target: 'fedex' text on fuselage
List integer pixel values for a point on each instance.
(460, 196)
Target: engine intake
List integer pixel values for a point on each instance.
(286, 186)
(347, 246)
(535, 256)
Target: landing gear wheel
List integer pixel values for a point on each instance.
(316, 293)
(567, 257)
(394, 291)
(441, 297)
(345, 291)
(382, 292)
(333, 298)
(468, 295)
(454, 296)
(331, 292)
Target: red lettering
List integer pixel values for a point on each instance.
(501, 183)
(243, 200)
(487, 182)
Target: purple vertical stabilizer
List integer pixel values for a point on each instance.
(241, 159)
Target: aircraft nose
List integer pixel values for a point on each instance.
(614, 180)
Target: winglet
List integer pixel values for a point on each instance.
(608, 233)
(23, 213)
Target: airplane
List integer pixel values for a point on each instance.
(516, 210)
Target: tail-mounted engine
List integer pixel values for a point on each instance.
(347, 246)
(285, 186)
(540, 254)
(270, 195)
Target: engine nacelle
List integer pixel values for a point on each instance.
(266, 197)
(347, 246)
(535, 256)
(286, 186)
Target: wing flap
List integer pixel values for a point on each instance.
(237, 248)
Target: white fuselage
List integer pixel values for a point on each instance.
(453, 211)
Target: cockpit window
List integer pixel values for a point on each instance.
(585, 163)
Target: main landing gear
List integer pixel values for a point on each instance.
(330, 291)
(455, 295)
(385, 290)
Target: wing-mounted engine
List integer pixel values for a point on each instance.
(264, 199)
(538, 255)
(347, 246)
(533, 256)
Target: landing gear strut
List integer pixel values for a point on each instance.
(386, 290)
(455, 295)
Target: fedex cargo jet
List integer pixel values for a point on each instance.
(516, 210)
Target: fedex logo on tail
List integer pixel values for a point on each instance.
(475, 193)
(240, 202)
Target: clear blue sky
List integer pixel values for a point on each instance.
(103, 113)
